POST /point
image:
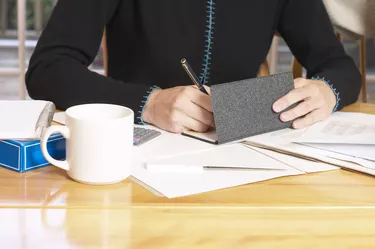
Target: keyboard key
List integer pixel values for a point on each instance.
(143, 135)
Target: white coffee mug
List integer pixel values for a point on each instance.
(99, 143)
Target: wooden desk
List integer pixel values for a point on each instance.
(50, 187)
(44, 209)
(181, 228)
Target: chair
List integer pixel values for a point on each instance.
(105, 53)
(264, 69)
(362, 66)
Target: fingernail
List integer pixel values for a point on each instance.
(284, 117)
(297, 125)
(277, 107)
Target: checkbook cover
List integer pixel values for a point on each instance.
(244, 108)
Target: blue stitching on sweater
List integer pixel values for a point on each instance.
(208, 42)
(144, 102)
(337, 94)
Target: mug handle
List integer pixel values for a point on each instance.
(43, 143)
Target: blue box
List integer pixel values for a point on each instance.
(22, 156)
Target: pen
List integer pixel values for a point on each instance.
(193, 76)
(45, 118)
(238, 168)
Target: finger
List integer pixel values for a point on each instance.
(199, 98)
(175, 124)
(291, 98)
(179, 122)
(198, 113)
(309, 119)
(300, 110)
(193, 124)
(300, 82)
(208, 89)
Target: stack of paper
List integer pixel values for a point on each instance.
(351, 134)
(174, 183)
(346, 140)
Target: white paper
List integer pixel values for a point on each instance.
(175, 184)
(280, 138)
(233, 155)
(19, 117)
(303, 165)
(359, 151)
(362, 162)
(349, 162)
(281, 141)
(342, 128)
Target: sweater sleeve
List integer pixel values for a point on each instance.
(307, 29)
(58, 69)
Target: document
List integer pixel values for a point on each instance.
(282, 142)
(347, 158)
(19, 118)
(342, 128)
(298, 163)
(359, 151)
(350, 134)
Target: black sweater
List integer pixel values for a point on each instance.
(223, 40)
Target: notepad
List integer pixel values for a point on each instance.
(209, 136)
(244, 108)
(284, 142)
(19, 117)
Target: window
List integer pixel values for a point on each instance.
(37, 13)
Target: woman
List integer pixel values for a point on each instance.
(225, 40)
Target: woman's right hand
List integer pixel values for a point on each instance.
(178, 109)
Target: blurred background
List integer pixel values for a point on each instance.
(31, 16)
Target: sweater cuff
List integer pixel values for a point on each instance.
(334, 90)
(144, 101)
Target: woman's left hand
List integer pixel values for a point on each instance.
(317, 102)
